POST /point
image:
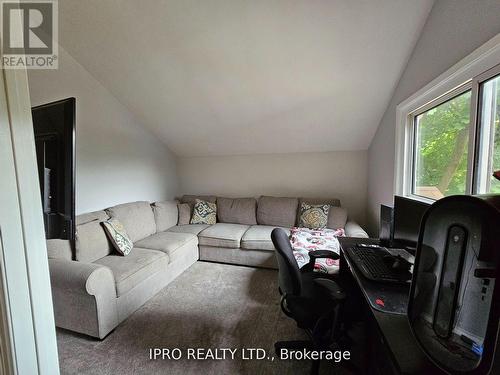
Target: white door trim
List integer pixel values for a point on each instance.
(27, 319)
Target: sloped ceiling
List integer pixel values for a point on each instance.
(219, 77)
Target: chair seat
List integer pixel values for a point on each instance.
(168, 242)
(223, 235)
(258, 237)
(134, 268)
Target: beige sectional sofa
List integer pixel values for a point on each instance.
(246, 239)
(94, 288)
(97, 290)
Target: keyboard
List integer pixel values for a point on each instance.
(369, 260)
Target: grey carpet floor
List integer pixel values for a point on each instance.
(209, 306)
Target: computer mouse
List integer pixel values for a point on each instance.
(400, 265)
(397, 263)
(389, 260)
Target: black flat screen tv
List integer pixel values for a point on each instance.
(54, 131)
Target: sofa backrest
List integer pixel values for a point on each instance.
(59, 249)
(277, 211)
(166, 214)
(237, 210)
(191, 199)
(273, 211)
(137, 218)
(331, 201)
(91, 216)
(91, 241)
(337, 216)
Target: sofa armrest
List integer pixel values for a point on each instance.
(352, 229)
(84, 297)
(79, 276)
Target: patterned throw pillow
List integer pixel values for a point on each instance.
(204, 213)
(313, 216)
(118, 236)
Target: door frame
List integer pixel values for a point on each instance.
(27, 329)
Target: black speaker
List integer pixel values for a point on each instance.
(386, 229)
(454, 306)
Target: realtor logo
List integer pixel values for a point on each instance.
(29, 34)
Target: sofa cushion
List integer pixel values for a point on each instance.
(129, 271)
(331, 201)
(166, 215)
(190, 228)
(91, 242)
(337, 218)
(204, 213)
(277, 211)
(168, 242)
(91, 216)
(237, 210)
(223, 235)
(258, 237)
(59, 249)
(118, 236)
(137, 218)
(184, 214)
(191, 199)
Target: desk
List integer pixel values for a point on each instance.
(394, 332)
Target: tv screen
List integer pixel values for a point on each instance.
(54, 131)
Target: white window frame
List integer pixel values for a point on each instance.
(457, 79)
(467, 86)
(480, 180)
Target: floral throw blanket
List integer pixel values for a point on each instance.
(305, 240)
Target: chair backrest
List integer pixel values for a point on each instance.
(289, 274)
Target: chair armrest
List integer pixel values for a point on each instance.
(331, 287)
(84, 297)
(352, 229)
(323, 254)
(318, 254)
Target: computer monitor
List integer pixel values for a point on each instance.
(408, 214)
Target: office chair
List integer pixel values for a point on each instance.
(313, 302)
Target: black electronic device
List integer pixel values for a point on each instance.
(378, 264)
(397, 264)
(454, 304)
(386, 229)
(408, 214)
(54, 130)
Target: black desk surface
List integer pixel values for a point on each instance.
(384, 297)
(395, 330)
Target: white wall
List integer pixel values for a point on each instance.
(453, 30)
(117, 160)
(340, 175)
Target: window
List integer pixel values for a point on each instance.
(489, 136)
(441, 136)
(448, 133)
